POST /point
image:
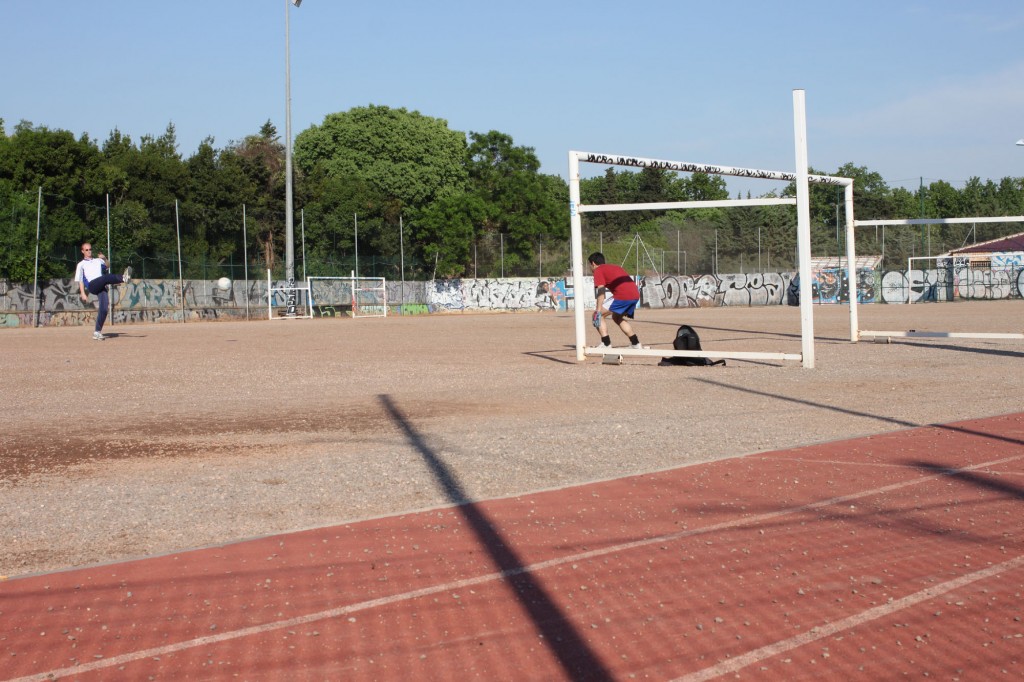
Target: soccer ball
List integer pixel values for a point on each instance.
(224, 283)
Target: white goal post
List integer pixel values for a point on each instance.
(364, 296)
(801, 177)
(856, 333)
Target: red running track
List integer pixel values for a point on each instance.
(889, 556)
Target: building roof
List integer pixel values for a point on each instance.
(1013, 242)
(862, 262)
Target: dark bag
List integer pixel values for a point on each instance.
(687, 339)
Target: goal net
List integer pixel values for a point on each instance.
(357, 296)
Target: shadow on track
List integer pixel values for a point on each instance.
(577, 659)
(970, 477)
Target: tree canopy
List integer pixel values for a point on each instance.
(401, 154)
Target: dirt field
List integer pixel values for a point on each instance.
(172, 436)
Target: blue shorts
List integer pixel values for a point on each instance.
(624, 308)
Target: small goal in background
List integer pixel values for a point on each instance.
(360, 296)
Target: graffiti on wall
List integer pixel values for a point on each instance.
(149, 300)
(832, 285)
(829, 285)
(704, 291)
(950, 283)
(496, 294)
(59, 304)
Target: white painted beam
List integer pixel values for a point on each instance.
(713, 354)
(942, 335)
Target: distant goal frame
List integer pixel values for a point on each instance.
(378, 307)
(856, 333)
(306, 306)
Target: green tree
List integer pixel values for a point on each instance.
(445, 232)
(67, 170)
(518, 201)
(18, 235)
(259, 159)
(401, 154)
(215, 190)
(705, 187)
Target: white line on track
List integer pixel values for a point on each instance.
(582, 556)
(829, 629)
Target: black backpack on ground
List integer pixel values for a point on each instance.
(687, 339)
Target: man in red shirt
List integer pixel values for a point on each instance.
(613, 282)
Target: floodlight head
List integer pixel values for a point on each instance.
(296, 2)
(1020, 142)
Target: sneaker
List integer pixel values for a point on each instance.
(636, 346)
(127, 276)
(97, 336)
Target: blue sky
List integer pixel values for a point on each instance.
(907, 88)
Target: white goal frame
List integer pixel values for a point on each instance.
(379, 308)
(376, 287)
(911, 268)
(801, 177)
(856, 333)
(271, 290)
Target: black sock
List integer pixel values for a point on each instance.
(606, 340)
(633, 340)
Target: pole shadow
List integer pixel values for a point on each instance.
(858, 413)
(970, 477)
(548, 355)
(746, 333)
(577, 659)
(961, 349)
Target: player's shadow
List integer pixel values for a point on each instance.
(123, 335)
(577, 659)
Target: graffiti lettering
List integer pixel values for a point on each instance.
(161, 300)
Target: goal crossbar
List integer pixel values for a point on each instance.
(669, 205)
(939, 221)
(709, 168)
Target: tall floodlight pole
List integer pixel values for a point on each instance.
(289, 218)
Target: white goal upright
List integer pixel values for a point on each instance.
(362, 296)
(801, 177)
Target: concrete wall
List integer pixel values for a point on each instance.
(170, 301)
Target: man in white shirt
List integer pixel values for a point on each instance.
(93, 276)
